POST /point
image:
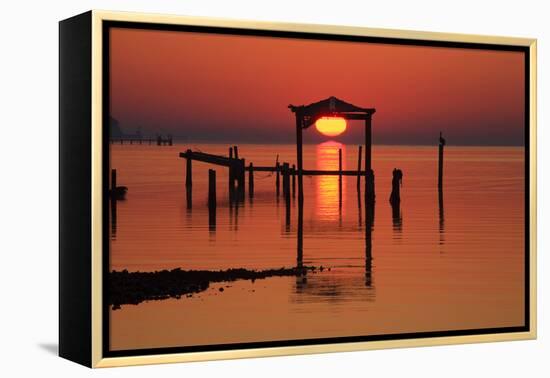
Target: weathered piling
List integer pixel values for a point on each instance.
(231, 174)
(236, 149)
(113, 181)
(189, 181)
(369, 173)
(212, 199)
(369, 187)
(440, 165)
(211, 189)
(240, 164)
(293, 180)
(277, 178)
(340, 162)
(188, 170)
(286, 193)
(396, 183)
(286, 180)
(251, 180)
(359, 156)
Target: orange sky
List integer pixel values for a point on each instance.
(237, 88)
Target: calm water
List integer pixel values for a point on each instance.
(432, 266)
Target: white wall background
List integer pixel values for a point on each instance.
(28, 185)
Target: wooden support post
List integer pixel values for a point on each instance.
(286, 194)
(188, 170)
(235, 148)
(293, 180)
(286, 180)
(251, 180)
(299, 156)
(241, 178)
(369, 174)
(440, 163)
(368, 143)
(231, 172)
(359, 156)
(113, 182)
(189, 180)
(340, 162)
(211, 189)
(212, 199)
(277, 177)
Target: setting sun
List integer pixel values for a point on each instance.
(331, 126)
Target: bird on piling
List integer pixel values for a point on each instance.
(442, 141)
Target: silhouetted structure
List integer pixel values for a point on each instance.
(396, 183)
(212, 199)
(117, 192)
(307, 115)
(442, 143)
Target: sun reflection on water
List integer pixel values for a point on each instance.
(328, 187)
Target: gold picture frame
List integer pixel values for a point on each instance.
(85, 33)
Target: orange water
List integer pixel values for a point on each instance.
(450, 267)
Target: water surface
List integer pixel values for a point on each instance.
(434, 264)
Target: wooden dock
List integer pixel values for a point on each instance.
(158, 141)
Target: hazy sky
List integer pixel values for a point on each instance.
(237, 88)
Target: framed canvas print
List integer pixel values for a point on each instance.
(236, 189)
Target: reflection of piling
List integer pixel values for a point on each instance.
(212, 198)
(369, 222)
(293, 180)
(441, 219)
(251, 180)
(359, 205)
(440, 162)
(300, 233)
(359, 156)
(397, 219)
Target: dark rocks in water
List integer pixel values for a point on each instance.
(136, 287)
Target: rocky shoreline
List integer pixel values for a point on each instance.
(136, 287)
